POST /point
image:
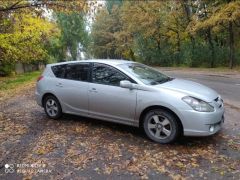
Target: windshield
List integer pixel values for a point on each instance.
(147, 75)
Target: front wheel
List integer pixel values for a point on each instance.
(52, 107)
(161, 126)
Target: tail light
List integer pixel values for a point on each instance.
(39, 78)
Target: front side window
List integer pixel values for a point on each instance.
(103, 74)
(78, 72)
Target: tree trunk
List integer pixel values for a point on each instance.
(231, 45)
(158, 40)
(132, 55)
(188, 13)
(24, 67)
(178, 47)
(211, 46)
(187, 10)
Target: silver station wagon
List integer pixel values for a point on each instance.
(130, 93)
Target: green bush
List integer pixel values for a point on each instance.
(6, 69)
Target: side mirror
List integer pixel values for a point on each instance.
(126, 84)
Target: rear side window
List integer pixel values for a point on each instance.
(79, 72)
(59, 70)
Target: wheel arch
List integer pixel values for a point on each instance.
(147, 109)
(48, 94)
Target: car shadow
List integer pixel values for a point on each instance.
(137, 133)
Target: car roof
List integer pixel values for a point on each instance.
(105, 61)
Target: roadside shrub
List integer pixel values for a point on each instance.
(6, 69)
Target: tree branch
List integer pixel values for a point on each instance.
(15, 4)
(28, 5)
(143, 9)
(222, 24)
(235, 22)
(15, 7)
(171, 29)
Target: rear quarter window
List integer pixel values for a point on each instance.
(59, 70)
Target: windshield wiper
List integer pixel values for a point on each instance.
(164, 80)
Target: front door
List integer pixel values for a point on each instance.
(107, 99)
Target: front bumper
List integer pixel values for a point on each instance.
(202, 123)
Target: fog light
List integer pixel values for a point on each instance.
(211, 129)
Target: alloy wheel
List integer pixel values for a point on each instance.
(159, 126)
(51, 107)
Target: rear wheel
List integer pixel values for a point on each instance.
(161, 126)
(52, 107)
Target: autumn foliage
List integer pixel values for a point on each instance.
(168, 33)
(30, 32)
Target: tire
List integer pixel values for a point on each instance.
(52, 107)
(161, 126)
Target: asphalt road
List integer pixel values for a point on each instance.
(226, 84)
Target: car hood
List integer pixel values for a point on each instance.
(190, 88)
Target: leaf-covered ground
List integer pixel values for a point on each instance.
(81, 148)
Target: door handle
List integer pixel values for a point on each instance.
(59, 85)
(93, 90)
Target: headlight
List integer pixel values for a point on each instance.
(198, 104)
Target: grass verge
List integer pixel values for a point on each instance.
(13, 84)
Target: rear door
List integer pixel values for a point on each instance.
(72, 88)
(107, 99)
